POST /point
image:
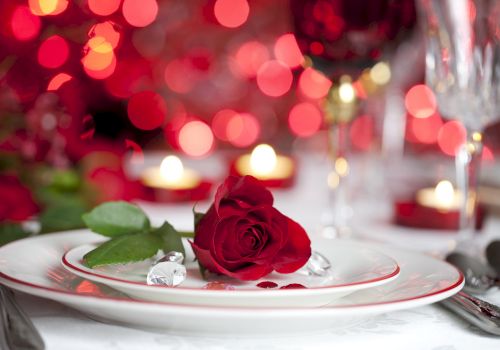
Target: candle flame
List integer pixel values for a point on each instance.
(346, 92)
(445, 194)
(171, 169)
(263, 159)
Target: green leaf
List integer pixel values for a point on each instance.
(62, 217)
(116, 218)
(66, 180)
(197, 217)
(10, 232)
(124, 249)
(172, 240)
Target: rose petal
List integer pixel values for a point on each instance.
(205, 258)
(244, 192)
(206, 228)
(296, 251)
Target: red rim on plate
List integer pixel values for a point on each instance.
(71, 266)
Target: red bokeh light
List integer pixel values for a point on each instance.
(425, 130)
(287, 51)
(231, 13)
(57, 81)
(420, 101)
(104, 7)
(274, 78)
(102, 73)
(140, 13)
(196, 138)
(53, 52)
(487, 156)
(147, 110)
(451, 135)
(24, 24)
(314, 84)
(305, 119)
(48, 7)
(179, 77)
(243, 130)
(250, 57)
(104, 32)
(361, 132)
(220, 122)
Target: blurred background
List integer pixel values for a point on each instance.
(89, 86)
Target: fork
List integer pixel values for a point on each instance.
(18, 331)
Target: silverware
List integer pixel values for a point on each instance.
(493, 255)
(19, 333)
(480, 313)
(479, 277)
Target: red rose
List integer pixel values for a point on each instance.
(243, 236)
(17, 203)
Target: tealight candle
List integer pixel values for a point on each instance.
(264, 164)
(443, 197)
(171, 175)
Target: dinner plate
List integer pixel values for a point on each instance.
(353, 268)
(33, 266)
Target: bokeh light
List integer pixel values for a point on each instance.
(425, 130)
(361, 132)
(314, 84)
(101, 73)
(420, 101)
(220, 122)
(53, 52)
(451, 135)
(48, 7)
(287, 51)
(231, 13)
(104, 32)
(274, 78)
(140, 13)
(24, 24)
(58, 80)
(104, 7)
(147, 110)
(196, 138)
(243, 130)
(178, 77)
(250, 57)
(304, 119)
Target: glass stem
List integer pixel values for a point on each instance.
(468, 162)
(337, 178)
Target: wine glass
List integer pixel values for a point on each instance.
(463, 69)
(344, 38)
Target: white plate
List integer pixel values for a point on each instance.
(33, 266)
(353, 269)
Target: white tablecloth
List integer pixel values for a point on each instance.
(428, 327)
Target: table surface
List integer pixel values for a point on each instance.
(428, 327)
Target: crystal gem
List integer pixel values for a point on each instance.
(172, 256)
(166, 273)
(216, 285)
(267, 284)
(317, 264)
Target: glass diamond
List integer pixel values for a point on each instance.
(173, 256)
(166, 273)
(317, 264)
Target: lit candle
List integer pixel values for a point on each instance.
(171, 175)
(264, 164)
(442, 197)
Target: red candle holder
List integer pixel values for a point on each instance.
(287, 181)
(164, 195)
(412, 214)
